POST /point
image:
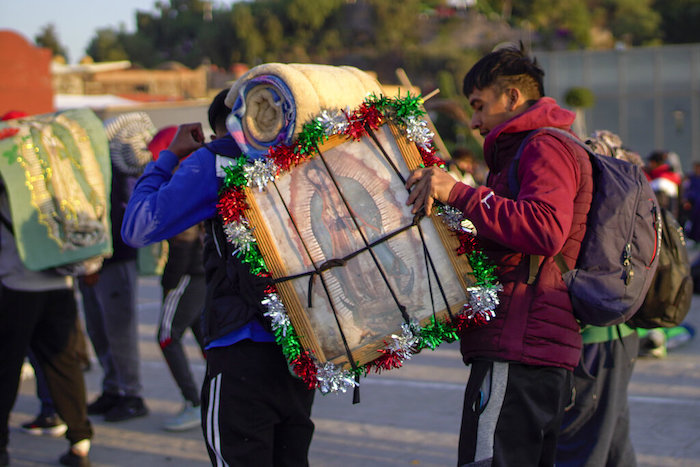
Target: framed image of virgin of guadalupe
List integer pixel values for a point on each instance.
(351, 266)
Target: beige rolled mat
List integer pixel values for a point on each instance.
(272, 102)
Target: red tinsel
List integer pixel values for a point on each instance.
(8, 132)
(232, 204)
(285, 157)
(464, 321)
(305, 368)
(369, 115)
(467, 243)
(356, 128)
(429, 156)
(388, 361)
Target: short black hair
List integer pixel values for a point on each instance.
(218, 111)
(658, 156)
(505, 67)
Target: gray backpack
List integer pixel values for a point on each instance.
(619, 253)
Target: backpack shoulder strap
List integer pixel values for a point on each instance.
(514, 187)
(513, 181)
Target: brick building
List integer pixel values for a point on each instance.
(25, 81)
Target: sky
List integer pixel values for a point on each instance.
(75, 21)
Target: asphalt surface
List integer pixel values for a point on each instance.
(408, 416)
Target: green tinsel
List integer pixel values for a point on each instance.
(311, 134)
(291, 346)
(254, 260)
(235, 175)
(360, 370)
(435, 333)
(381, 103)
(482, 269)
(408, 106)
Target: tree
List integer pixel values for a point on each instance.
(679, 20)
(635, 22)
(395, 24)
(106, 46)
(566, 20)
(48, 38)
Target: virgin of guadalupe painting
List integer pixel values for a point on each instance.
(342, 217)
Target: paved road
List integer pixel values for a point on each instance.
(407, 417)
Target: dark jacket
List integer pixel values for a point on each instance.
(122, 187)
(534, 324)
(234, 295)
(184, 257)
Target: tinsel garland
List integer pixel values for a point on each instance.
(406, 113)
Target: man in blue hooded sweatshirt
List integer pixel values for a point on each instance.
(254, 412)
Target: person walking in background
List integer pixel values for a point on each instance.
(522, 360)
(254, 412)
(109, 296)
(664, 180)
(691, 203)
(462, 166)
(665, 176)
(47, 421)
(184, 292)
(38, 312)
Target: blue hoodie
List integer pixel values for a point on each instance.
(164, 204)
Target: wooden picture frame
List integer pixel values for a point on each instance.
(351, 194)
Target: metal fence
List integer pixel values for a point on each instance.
(650, 96)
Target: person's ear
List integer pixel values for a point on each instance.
(513, 95)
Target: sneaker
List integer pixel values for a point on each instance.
(653, 344)
(103, 404)
(43, 425)
(74, 460)
(188, 418)
(127, 408)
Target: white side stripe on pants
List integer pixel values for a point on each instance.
(172, 300)
(212, 423)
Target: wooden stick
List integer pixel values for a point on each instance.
(434, 92)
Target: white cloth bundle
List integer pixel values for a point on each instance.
(272, 102)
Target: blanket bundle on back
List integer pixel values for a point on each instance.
(57, 175)
(271, 102)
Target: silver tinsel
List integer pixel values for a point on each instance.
(484, 300)
(331, 379)
(239, 235)
(455, 220)
(333, 121)
(260, 172)
(276, 312)
(417, 131)
(404, 346)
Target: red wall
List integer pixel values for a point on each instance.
(25, 75)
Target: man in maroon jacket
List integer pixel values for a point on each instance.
(522, 360)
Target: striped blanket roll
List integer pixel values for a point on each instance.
(271, 102)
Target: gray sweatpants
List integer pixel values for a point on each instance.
(111, 321)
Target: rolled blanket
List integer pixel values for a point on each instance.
(129, 135)
(272, 102)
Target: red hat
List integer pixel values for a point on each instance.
(12, 114)
(161, 140)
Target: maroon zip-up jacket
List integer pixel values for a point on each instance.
(534, 324)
